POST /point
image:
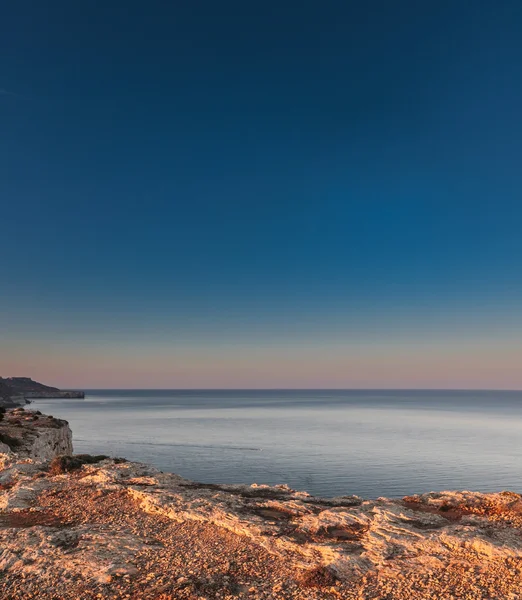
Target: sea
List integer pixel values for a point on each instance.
(327, 442)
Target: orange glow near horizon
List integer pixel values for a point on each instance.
(405, 365)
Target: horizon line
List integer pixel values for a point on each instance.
(298, 389)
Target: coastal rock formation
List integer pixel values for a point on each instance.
(8, 397)
(29, 434)
(19, 390)
(92, 527)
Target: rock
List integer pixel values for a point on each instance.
(28, 435)
(20, 390)
(101, 521)
(350, 539)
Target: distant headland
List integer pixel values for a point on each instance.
(15, 391)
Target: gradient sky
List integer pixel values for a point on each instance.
(237, 194)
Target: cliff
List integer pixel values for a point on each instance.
(26, 384)
(27, 434)
(17, 390)
(93, 527)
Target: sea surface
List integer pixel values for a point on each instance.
(329, 443)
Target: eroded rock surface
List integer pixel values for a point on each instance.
(29, 434)
(115, 529)
(110, 524)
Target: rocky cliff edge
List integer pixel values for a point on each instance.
(93, 527)
(30, 434)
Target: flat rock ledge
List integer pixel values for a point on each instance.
(116, 529)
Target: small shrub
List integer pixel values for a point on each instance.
(65, 464)
(318, 577)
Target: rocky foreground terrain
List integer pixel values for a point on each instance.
(77, 527)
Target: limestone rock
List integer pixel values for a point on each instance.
(103, 520)
(27, 434)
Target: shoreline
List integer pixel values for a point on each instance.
(99, 527)
(354, 447)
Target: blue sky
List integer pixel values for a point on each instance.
(192, 194)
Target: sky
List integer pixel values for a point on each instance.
(261, 195)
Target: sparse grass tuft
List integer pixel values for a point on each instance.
(318, 577)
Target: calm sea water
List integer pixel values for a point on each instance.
(371, 443)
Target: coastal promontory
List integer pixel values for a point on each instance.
(15, 391)
(81, 526)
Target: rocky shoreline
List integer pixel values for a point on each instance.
(98, 527)
(18, 391)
